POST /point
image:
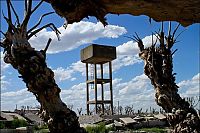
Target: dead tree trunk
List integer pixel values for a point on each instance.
(33, 69)
(158, 66)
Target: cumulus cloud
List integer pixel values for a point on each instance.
(4, 83)
(62, 74)
(21, 98)
(75, 35)
(127, 54)
(137, 92)
(4, 66)
(131, 47)
(190, 87)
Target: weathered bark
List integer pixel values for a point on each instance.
(40, 81)
(38, 77)
(158, 66)
(185, 12)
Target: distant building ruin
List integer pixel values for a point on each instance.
(97, 56)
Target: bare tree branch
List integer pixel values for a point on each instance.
(25, 5)
(152, 43)
(10, 25)
(40, 20)
(170, 25)
(9, 15)
(14, 13)
(175, 30)
(157, 38)
(47, 46)
(139, 41)
(50, 25)
(36, 7)
(27, 15)
(3, 33)
(179, 35)
(131, 38)
(137, 36)
(174, 52)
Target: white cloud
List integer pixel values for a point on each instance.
(127, 54)
(21, 98)
(190, 87)
(131, 47)
(75, 35)
(125, 60)
(137, 92)
(4, 66)
(62, 74)
(4, 83)
(78, 67)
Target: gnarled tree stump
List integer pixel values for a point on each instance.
(158, 66)
(32, 67)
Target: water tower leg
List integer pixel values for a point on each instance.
(111, 93)
(87, 90)
(102, 90)
(95, 86)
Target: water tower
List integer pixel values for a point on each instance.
(96, 58)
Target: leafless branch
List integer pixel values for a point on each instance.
(2, 45)
(40, 20)
(174, 52)
(9, 15)
(9, 21)
(179, 35)
(137, 36)
(27, 14)
(170, 25)
(162, 37)
(25, 5)
(36, 7)
(14, 13)
(175, 30)
(131, 38)
(50, 25)
(3, 33)
(154, 43)
(139, 41)
(47, 46)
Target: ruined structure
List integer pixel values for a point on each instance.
(94, 56)
(33, 70)
(185, 12)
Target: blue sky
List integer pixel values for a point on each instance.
(131, 86)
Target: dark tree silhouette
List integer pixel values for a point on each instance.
(33, 69)
(158, 66)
